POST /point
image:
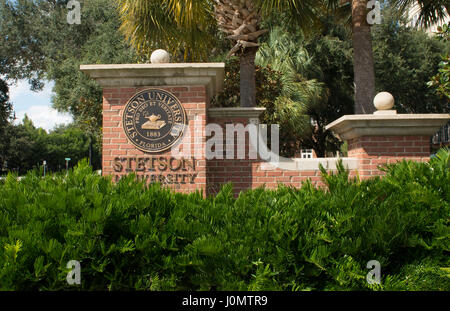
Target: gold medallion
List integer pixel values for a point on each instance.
(154, 120)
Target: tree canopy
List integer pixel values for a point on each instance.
(28, 147)
(40, 45)
(299, 77)
(5, 113)
(405, 60)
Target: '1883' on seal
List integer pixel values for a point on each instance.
(154, 120)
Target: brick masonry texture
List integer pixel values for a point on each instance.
(247, 174)
(371, 151)
(116, 144)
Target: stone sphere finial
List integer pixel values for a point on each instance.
(383, 101)
(160, 56)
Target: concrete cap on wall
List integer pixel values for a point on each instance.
(236, 112)
(210, 75)
(386, 122)
(353, 126)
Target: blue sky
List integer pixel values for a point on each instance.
(37, 105)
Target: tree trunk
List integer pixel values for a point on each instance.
(248, 83)
(363, 66)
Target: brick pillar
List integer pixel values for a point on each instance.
(117, 148)
(181, 166)
(387, 137)
(238, 170)
(373, 151)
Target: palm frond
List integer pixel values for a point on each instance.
(282, 54)
(430, 11)
(176, 26)
(299, 95)
(304, 12)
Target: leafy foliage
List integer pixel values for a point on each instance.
(5, 114)
(189, 29)
(40, 44)
(430, 11)
(132, 236)
(185, 29)
(21, 53)
(25, 147)
(441, 81)
(96, 40)
(405, 59)
(300, 79)
(5, 105)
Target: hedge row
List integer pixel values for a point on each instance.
(130, 236)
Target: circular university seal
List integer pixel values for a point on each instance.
(154, 120)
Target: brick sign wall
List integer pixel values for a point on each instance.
(194, 172)
(373, 140)
(121, 157)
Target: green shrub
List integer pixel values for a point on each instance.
(131, 236)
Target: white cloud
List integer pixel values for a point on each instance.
(44, 116)
(37, 105)
(20, 91)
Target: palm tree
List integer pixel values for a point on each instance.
(300, 98)
(354, 14)
(189, 25)
(363, 66)
(431, 11)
